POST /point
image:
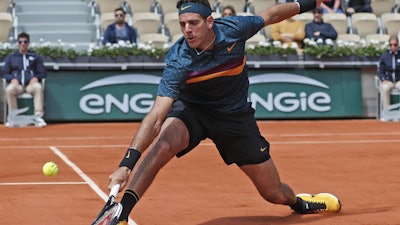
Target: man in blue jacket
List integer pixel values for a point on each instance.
(119, 30)
(23, 71)
(317, 29)
(389, 70)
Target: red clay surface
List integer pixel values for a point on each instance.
(357, 160)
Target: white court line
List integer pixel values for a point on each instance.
(93, 147)
(63, 146)
(63, 138)
(41, 183)
(264, 134)
(89, 181)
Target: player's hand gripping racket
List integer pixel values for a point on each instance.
(111, 211)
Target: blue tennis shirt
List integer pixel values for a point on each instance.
(216, 79)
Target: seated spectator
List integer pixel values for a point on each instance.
(23, 71)
(119, 30)
(228, 11)
(332, 6)
(355, 6)
(289, 31)
(389, 70)
(317, 29)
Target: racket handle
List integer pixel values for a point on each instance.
(114, 190)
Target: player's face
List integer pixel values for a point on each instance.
(196, 30)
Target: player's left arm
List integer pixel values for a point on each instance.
(279, 12)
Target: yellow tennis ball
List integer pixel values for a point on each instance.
(50, 169)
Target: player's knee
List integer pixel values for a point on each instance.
(163, 149)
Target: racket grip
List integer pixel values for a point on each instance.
(114, 190)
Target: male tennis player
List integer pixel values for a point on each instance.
(203, 94)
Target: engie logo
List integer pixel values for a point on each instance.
(95, 103)
(269, 91)
(290, 101)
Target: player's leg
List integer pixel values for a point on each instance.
(239, 141)
(266, 179)
(174, 137)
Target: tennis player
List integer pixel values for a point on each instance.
(203, 94)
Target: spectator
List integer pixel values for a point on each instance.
(119, 30)
(23, 71)
(317, 29)
(228, 11)
(332, 6)
(389, 70)
(288, 31)
(355, 6)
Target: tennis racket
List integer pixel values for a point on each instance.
(111, 211)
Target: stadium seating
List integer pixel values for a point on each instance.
(104, 6)
(391, 23)
(348, 38)
(267, 32)
(6, 23)
(238, 5)
(380, 38)
(255, 40)
(66, 21)
(380, 7)
(244, 14)
(146, 22)
(135, 6)
(259, 5)
(4, 5)
(213, 4)
(216, 15)
(171, 22)
(156, 39)
(306, 17)
(167, 6)
(338, 21)
(364, 23)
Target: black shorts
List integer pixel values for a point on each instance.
(236, 135)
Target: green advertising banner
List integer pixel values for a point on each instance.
(129, 95)
(311, 93)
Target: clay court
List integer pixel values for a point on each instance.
(357, 160)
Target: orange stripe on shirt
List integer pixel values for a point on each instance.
(231, 72)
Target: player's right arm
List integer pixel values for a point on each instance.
(279, 12)
(149, 129)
